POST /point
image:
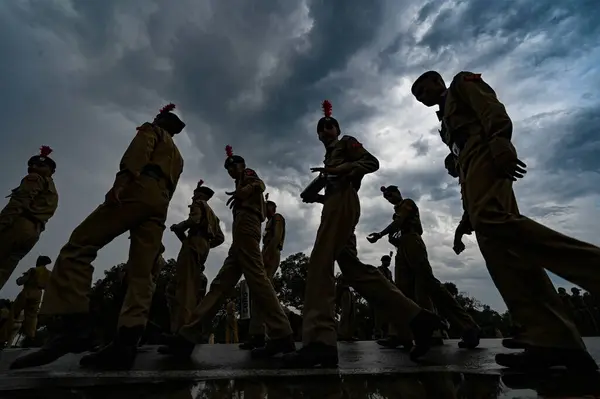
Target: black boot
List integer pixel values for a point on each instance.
(27, 343)
(394, 342)
(255, 341)
(312, 355)
(514, 343)
(274, 347)
(71, 335)
(176, 346)
(470, 338)
(119, 354)
(423, 327)
(536, 358)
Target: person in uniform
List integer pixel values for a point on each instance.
(346, 162)
(347, 305)
(28, 301)
(138, 203)
(381, 325)
(273, 239)
(231, 327)
(588, 300)
(29, 208)
(203, 234)
(244, 258)
(478, 130)
(584, 319)
(413, 265)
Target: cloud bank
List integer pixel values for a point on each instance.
(80, 76)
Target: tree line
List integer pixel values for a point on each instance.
(289, 283)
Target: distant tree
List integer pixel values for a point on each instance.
(290, 281)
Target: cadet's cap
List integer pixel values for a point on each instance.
(43, 260)
(327, 120)
(43, 158)
(269, 202)
(232, 159)
(173, 120)
(426, 76)
(389, 189)
(204, 190)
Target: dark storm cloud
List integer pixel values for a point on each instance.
(572, 28)
(579, 148)
(421, 147)
(81, 75)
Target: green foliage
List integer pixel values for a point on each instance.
(290, 281)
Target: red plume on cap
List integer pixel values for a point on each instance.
(201, 182)
(327, 108)
(45, 151)
(383, 189)
(229, 151)
(167, 108)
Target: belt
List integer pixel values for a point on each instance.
(458, 143)
(157, 174)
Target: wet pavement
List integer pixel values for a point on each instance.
(366, 372)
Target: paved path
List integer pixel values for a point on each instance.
(213, 362)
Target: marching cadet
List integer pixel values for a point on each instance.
(28, 301)
(244, 258)
(478, 130)
(381, 326)
(138, 203)
(29, 208)
(584, 319)
(346, 162)
(203, 234)
(593, 309)
(273, 239)
(231, 328)
(347, 304)
(412, 259)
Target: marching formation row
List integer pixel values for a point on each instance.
(477, 131)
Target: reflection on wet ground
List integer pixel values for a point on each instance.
(435, 385)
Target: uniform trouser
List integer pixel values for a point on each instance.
(517, 249)
(190, 281)
(28, 301)
(415, 278)
(231, 330)
(347, 326)
(380, 323)
(244, 258)
(336, 242)
(271, 262)
(142, 211)
(16, 240)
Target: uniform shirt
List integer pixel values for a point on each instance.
(473, 112)
(36, 278)
(36, 197)
(406, 213)
(205, 222)
(349, 150)
(274, 235)
(152, 145)
(250, 198)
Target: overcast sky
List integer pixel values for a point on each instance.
(81, 75)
